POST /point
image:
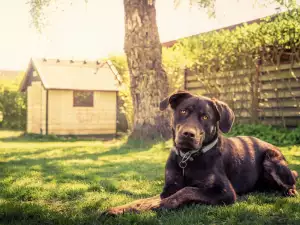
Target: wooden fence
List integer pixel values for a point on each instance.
(268, 95)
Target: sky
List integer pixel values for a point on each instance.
(76, 30)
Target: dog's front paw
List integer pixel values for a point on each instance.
(136, 207)
(169, 204)
(120, 210)
(115, 211)
(291, 192)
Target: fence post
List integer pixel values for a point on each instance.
(255, 94)
(184, 78)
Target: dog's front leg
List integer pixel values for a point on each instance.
(185, 195)
(197, 195)
(173, 177)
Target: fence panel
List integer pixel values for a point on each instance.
(267, 94)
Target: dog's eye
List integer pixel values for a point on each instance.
(204, 117)
(183, 112)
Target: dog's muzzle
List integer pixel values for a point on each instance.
(189, 139)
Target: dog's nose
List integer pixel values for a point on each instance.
(189, 134)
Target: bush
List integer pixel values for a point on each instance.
(274, 135)
(13, 109)
(174, 65)
(125, 101)
(12, 104)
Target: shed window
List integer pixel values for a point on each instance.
(83, 98)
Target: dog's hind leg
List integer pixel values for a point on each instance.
(277, 174)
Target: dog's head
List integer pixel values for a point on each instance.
(197, 119)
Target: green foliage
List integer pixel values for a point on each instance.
(12, 108)
(12, 104)
(242, 47)
(245, 54)
(274, 135)
(125, 101)
(173, 63)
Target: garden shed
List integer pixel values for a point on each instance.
(68, 97)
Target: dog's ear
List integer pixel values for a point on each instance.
(225, 115)
(174, 100)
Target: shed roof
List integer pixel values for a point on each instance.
(73, 75)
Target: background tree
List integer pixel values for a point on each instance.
(148, 79)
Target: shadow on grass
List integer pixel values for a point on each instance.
(30, 213)
(281, 212)
(23, 137)
(99, 173)
(38, 138)
(35, 214)
(18, 202)
(33, 205)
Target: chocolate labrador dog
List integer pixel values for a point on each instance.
(206, 167)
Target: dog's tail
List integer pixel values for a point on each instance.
(136, 206)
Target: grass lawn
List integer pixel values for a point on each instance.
(72, 182)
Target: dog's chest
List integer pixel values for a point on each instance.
(197, 171)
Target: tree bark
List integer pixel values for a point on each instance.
(148, 79)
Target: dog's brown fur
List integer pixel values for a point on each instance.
(234, 166)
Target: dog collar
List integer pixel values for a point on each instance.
(204, 149)
(188, 155)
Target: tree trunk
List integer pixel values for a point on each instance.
(149, 83)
